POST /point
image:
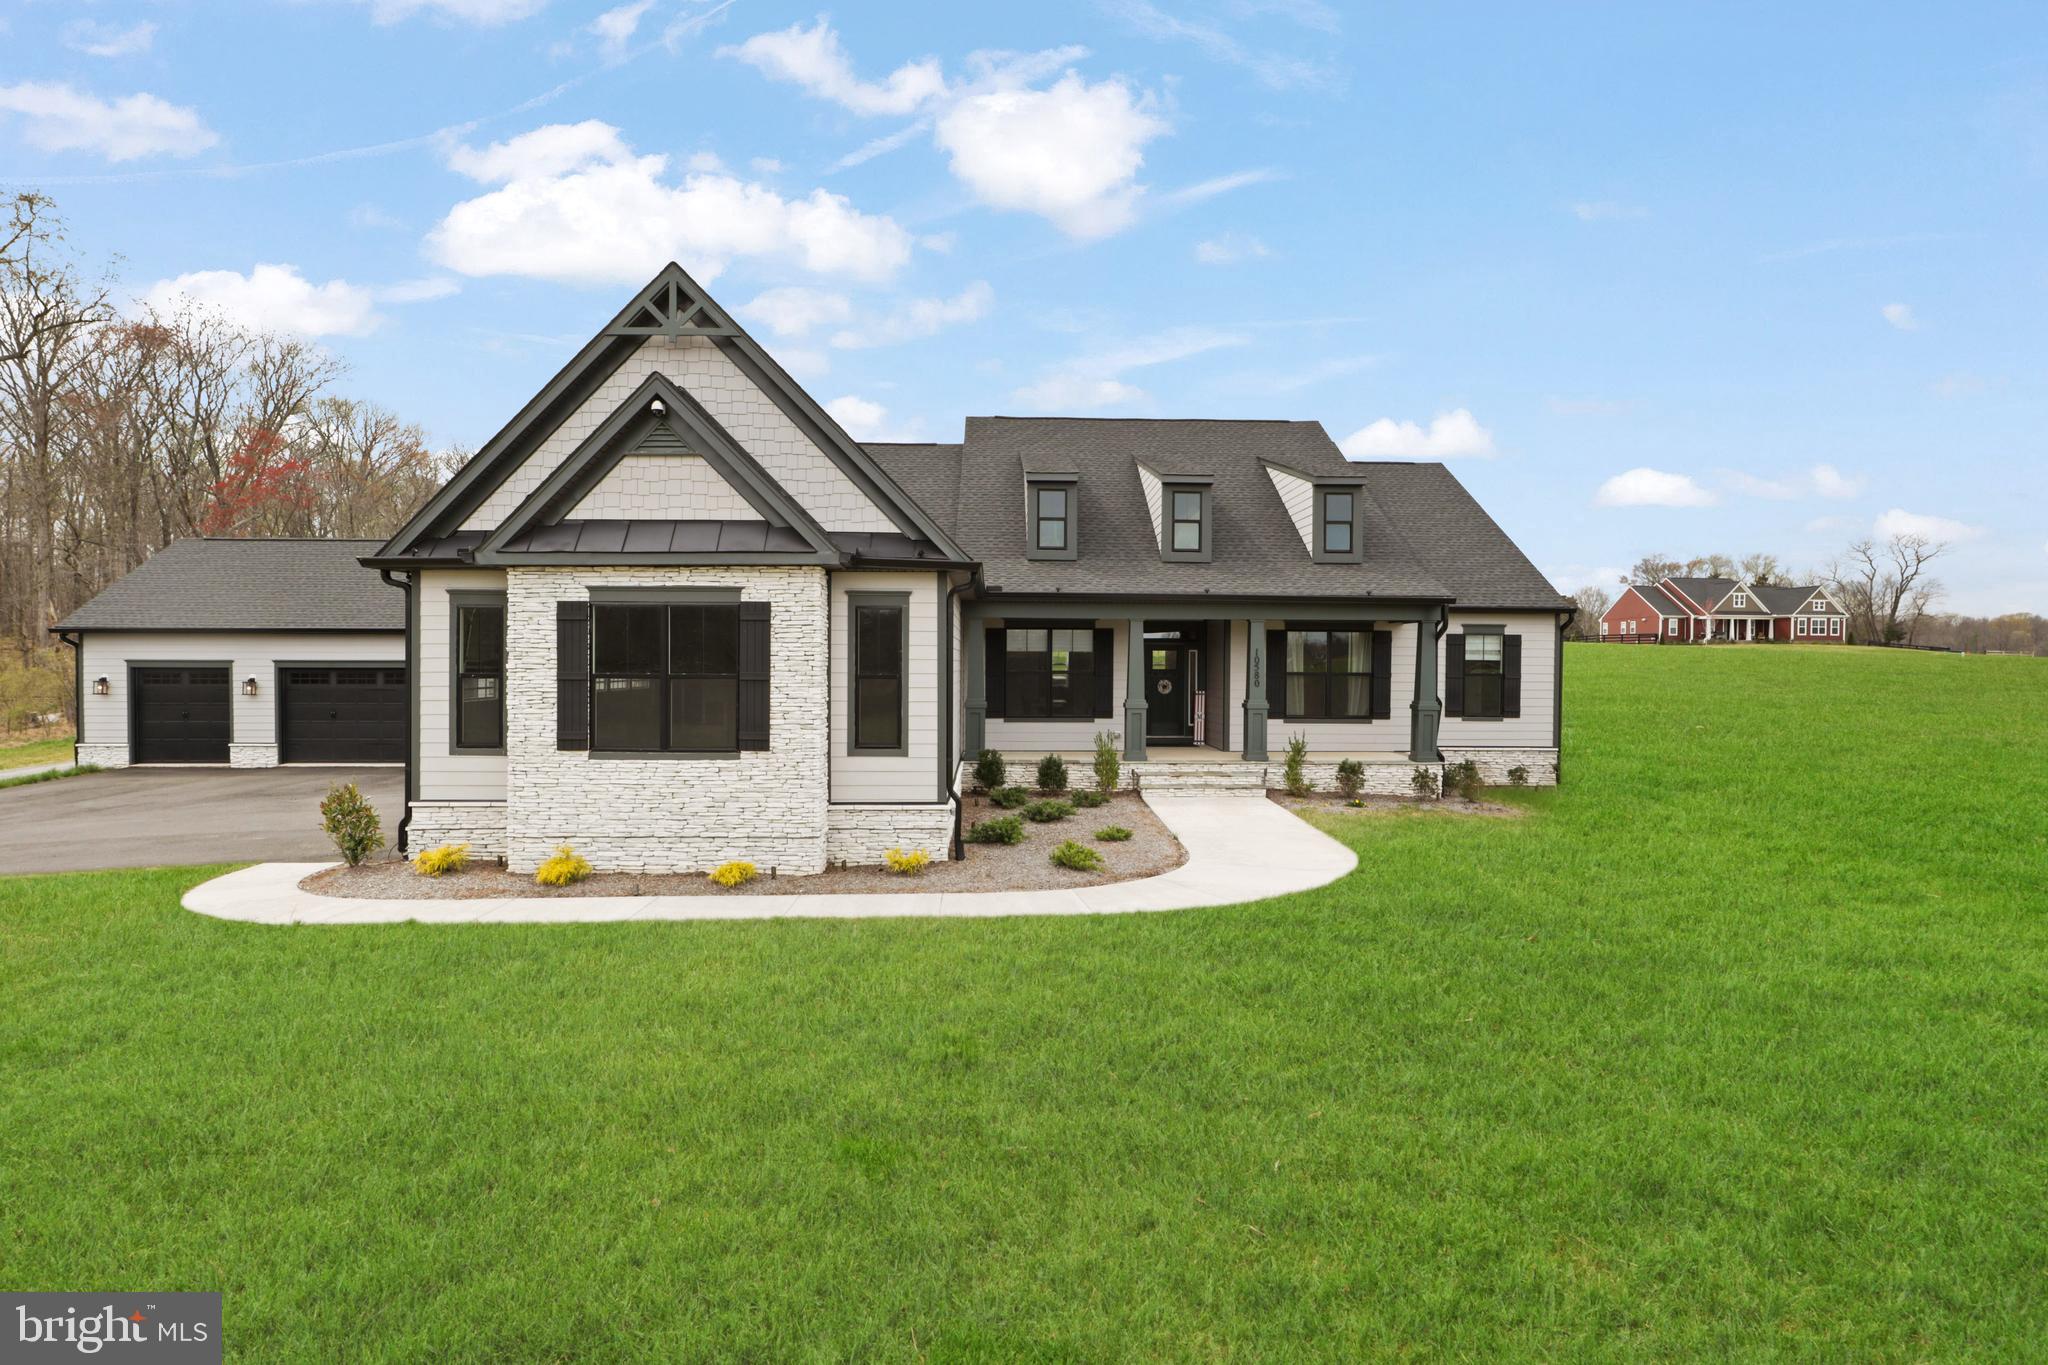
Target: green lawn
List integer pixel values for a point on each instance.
(1735, 1047)
(34, 752)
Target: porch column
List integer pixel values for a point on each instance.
(1255, 664)
(1135, 709)
(1427, 709)
(975, 736)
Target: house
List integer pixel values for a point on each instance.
(1702, 610)
(673, 614)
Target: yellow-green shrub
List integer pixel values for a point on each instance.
(565, 867)
(432, 862)
(909, 864)
(733, 873)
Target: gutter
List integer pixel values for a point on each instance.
(412, 706)
(973, 580)
(77, 643)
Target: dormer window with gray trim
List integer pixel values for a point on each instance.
(1338, 529)
(1051, 525)
(1189, 529)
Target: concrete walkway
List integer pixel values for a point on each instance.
(1239, 849)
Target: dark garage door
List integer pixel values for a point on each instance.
(179, 715)
(342, 715)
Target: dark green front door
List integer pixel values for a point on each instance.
(1169, 713)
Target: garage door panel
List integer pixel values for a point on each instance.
(180, 715)
(342, 715)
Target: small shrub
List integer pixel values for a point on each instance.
(1113, 834)
(990, 772)
(1077, 857)
(1350, 778)
(1424, 782)
(1463, 778)
(1052, 774)
(565, 867)
(1045, 812)
(1294, 774)
(1518, 776)
(432, 862)
(1358, 801)
(351, 821)
(1010, 798)
(907, 864)
(1004, 829)
(735, 873)
(1109, 764)
(1088, 800)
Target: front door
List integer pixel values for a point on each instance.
(1168, 710)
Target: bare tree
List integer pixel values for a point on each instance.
(1649, 569)
(1593, 603)
(1761, 567)
(1886, 589)
(1710, 566)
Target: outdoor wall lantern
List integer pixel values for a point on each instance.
(248, 687)
(100, 687)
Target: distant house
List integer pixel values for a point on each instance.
(1684, 611)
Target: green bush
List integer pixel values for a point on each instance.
(1077, 857)
(1463, 778)
(1109, 765)
(1052, 774)
(1004, 829)
(1293, 774)
(990, 772)
(1045, 812)
(1424, 783)
(1350, 778)
(1113, 834)
(1088, 800)
(1010, 798)
(351, 821)
(1518, 776)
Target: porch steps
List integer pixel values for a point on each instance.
(1202, 779)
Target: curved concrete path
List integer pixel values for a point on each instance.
(1239, 849)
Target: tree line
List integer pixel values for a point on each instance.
(122, 430)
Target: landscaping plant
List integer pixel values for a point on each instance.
(1052, 774)
(351, 821)
(907, 864)
(1350, 778)
(1077, 857)
(1090, 800)
(735, 873)
(432, 862)
(1109, 764)
(1463, 778)
(1518, 776)
(564, 867)
(1003, 829)
(1294, 773)
(1045, 812)
(1010, 798)
(1423, 781)
(990, 772)
(1113, 834)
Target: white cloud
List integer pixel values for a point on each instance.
(272, 298)
(1272, 70)
(1821, 481)
(484, 13)
(766, 165)
(1230, 248)
(1900, 315)
(1652, 488)
(866, 420)
(615, 27)
(920, 318)
(794, 311)
(418, 291)
(1829, 482)
(1450, 435)
(61, 119)
(1069, 153)
(1221, 184)
(1091, 382)
(576, 205)
(96, 39)
(1600, 210)
(1572, 577)
(812, 59)
(1899, 522)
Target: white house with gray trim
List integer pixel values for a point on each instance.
(672, 614)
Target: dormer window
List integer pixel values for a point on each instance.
(1337, 525)
(1738, 600)
(1188, 528)
(1050, 523)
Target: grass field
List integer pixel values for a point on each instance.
(35, 752)
(1735, 1047)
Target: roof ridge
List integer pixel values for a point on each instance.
(1076, 417)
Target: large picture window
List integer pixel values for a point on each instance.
(664, 678)
(1328, 675)
(480, 675)
(877, 693)
(1049, 672)
(1483, 673)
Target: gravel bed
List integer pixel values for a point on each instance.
(987, 867)
(1333, 804)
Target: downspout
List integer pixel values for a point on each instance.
(412, 703)
(946, 714)
(77, 642)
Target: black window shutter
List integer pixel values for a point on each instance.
(1454, 675)
(752, 728)
(1511, 677)
(1382, 674)
(1276, 674)
(993, 658)
(1105, 671)
(572, 675)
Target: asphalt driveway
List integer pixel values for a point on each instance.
(155, 817)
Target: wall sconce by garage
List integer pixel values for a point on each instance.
(100, 687)
(248, 687)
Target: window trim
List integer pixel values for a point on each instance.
(458, 598)
(1738, 600)
(1282, 673)
(665, 598)
(1086, 700)
(1319, 552)
(1070, 487)
(1471, 632)
(854, 602)
(1206, 521)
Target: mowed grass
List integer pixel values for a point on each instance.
(1733, 1048)
(35, 752)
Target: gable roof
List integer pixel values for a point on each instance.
(244, 585)
(1658, 600)
(1703, 592)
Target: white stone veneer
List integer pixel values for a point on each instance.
(104, 755)
(861, 835)
(252, 755)
(480, 824)
(1494, 764)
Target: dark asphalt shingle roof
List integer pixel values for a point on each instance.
(220, 584)
(1782, 600)
(1424, 536)
(1658, 600)
(1704, 592)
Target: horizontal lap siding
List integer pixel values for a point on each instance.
(1533, 729)
(1389, 736)
(913, 775)
(444, 776)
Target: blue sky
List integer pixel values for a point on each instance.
(1652, 278)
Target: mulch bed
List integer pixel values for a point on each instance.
(987, 867)
(1330, 803)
